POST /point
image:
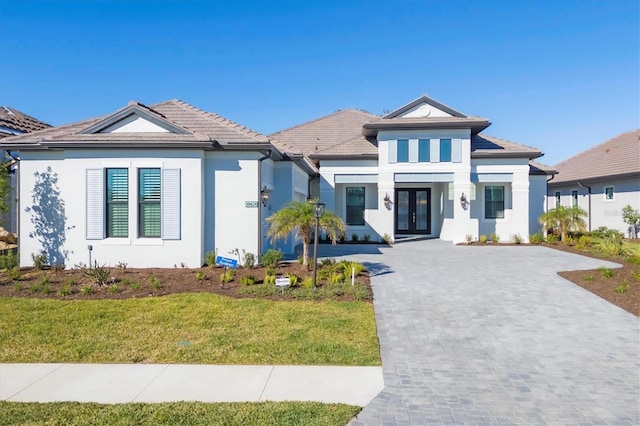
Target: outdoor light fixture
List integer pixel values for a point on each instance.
(463, 200)
(318, 211)
(264, 195)
(387, 201)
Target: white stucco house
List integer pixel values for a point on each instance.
(601, 180)
(424, 169)
(157, 185)
(162, 185)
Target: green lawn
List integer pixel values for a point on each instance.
(179, 413)
(195, 328)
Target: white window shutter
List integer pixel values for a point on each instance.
(456, 150)
(95, 205)
(170, 202)
(393, 151)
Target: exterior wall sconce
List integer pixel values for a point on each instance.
(463, 201)
(264, 195)
(387, 201)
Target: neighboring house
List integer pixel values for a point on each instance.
(150, 186)
(14, 122)
(424, 169)
(601, 180)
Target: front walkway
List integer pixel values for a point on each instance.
(121, 383)
(492, 335)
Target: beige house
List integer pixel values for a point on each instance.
(601, 180)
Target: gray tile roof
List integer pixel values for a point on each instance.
(337, 134)
(14, 122)
(483, 146)
(616, 157)
(196, 128)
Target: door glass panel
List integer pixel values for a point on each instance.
(403, 210)
(422, 206)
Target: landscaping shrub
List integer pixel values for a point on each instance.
(200, 276)
(99, 275)
(272, 258)
(536, 238)
(248, 280)
(468, 238)
(154, 282)
(228, 275)
(9, 260)
(39, 260)
(269, 279)
(494, 237)
(348, 266)
(354, 237)
(482, 239)
(517, 239)
(210, 259)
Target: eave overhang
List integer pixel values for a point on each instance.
(475, 125)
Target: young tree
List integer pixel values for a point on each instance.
(298, 216)
(564, 220)
(5, 191)
(631, 217)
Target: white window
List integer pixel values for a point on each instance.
(608, 193)
(107, 203)
(557, 194)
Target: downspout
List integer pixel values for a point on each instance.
(260, 206)
(547, 197)
(589, 211)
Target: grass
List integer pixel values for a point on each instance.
(185, 413)
(222, 330)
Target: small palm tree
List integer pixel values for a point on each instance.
(298, 216)
(564, 220)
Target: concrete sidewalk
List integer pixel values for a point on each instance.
(121, 383)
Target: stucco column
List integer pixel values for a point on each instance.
(463, 224)
(520, 208)
(327, 191)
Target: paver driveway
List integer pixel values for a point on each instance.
(492, 335)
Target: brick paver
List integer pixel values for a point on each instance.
(492, 335)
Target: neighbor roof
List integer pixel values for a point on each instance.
(617, 157)
(188, 125)
(14, 122)
(334, 135)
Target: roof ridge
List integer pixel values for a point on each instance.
(593, 148)
(217, 117)
(340, 111)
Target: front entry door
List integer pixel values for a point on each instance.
(413, 211)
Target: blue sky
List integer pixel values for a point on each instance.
(559, 75)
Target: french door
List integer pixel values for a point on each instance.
(413, 211)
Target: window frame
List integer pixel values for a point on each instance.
(499, 212)
(145, 204)
(361, 207)
(424, 150)
(558, 198)
(574, 198)
(108, 202)
(606, 194)
(446, 142)
(404, 158)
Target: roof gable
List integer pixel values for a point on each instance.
(169, 124)
(423, 107)
(135, 118)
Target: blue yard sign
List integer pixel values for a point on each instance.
(227, 262)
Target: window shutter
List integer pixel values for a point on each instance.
(393, 151)
(456, 151)
(95, 204)
(170, 204)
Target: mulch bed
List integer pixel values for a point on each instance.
(136, 283)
